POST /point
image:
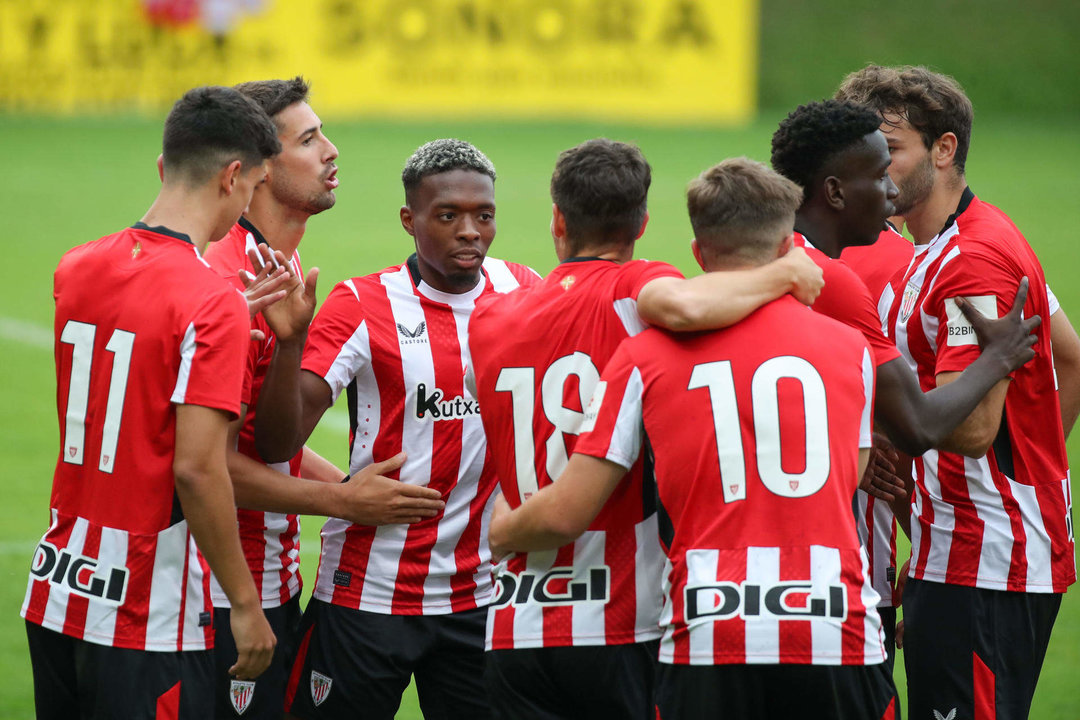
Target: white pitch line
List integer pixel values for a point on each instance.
(27, 333)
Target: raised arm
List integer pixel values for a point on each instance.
(916, 422)
(723, 298)
(206, 497)
(559, 513)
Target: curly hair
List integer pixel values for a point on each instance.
(601, 187)
(932, 103)
(814, 134)
(439, 156)
(273, 96)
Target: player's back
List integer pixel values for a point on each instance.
(141, 323)
(755, 503)
(537, 355)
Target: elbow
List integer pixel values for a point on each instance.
(272, 452)
(189, 473)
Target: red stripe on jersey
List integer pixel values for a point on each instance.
(208, 605)
(75, 620)
(183, 600)
(1018, 566)
(853, 639)
(467, 552)
(558, 619)
(968, 532)
(290, 541)
(796, 639)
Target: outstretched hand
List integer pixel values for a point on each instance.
(263, 290)
(290, 316)
(1011, 337)
(807, 279)
(371, 498)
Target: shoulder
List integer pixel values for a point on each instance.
(506, 276)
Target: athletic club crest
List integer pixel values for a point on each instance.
(907, 304)
(240, 694)
(320, 687)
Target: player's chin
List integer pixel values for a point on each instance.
(322, 201)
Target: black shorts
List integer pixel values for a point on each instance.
(263, 697)
(74, 678)
(354, 664)
(978, 651)
(767, 692)
(888, 627)
(566, 683)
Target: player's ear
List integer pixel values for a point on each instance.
(407, 220)
(943, 152)
(558, 223)
(161, 167)
(785, 245)
(696, 249)
(229, 175)
(644, 222)
(833, 192)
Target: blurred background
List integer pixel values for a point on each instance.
(85, 85)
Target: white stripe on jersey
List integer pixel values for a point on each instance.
(701, 569)
(530, 615)
(587, 620)
(192, 632)
(873, 633)
(944, 518)
(866, 438)
(171, 552)
(101, 617)
(667, 615)
(502, 280)
(995, 550)
(57, 605)
(826, 638)
(626, 436)
(187, 354)
(763, 633)
(1037, 545)
(626, 309)
(650, 565)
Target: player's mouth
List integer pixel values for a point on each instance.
(468, 258)
(890, 210)
(331, 177)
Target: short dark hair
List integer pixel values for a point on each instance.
(931, 102)
(601, 187)
(210, 127)
(741, 210)
(273, 96)
(444, 155)
(816, 133)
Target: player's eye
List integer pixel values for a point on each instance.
(447, 216)
(487, 216)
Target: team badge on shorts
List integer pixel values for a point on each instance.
(240, 694)
(320, 687)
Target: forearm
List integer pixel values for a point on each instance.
(916, 422)
(279, 412)
(258, 487)
(314, 466)
(974, 436)
(714, 299)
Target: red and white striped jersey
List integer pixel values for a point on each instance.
(536, 357)
(756, 431)
(877, 533)
(118, 565)
(1002, 521)
(876, 265)
(271, 540)
(845, 298)
(399, 348)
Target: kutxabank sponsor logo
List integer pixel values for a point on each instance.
(435, 407)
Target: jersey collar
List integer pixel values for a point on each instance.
(162, 230)
(965, 201)
(250, 227)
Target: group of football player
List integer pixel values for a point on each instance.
(612, 492)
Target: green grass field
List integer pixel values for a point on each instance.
(70, 181)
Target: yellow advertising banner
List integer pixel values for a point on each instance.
(668, 61)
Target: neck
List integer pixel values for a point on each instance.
(816, 225)
(621, 253)
(180, 210)
(925, 220)
(282, 227)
